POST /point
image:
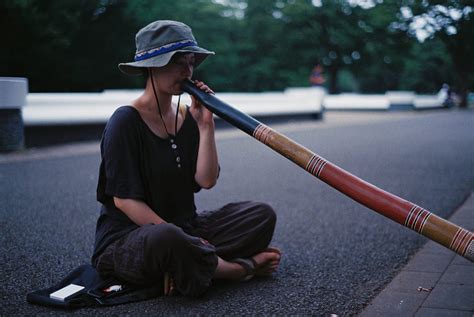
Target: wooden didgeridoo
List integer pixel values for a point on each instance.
(404, 212)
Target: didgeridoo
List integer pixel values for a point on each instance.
(391, 206)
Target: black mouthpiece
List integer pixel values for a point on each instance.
(238, 119)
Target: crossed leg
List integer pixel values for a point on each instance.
(266, 263)
(239, 232)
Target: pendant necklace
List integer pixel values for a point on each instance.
(172, 140)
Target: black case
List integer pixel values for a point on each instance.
(92, 294)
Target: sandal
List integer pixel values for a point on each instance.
(251, 267)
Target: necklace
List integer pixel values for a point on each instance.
(173, 144)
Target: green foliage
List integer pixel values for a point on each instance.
(436, 66)
(450, 22)
(61, 45)
(259, 44)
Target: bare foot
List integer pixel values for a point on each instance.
(267, 261)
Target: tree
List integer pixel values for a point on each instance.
(259, 44)
(326, 32)
(452, 22)
(347, 37)
(60, 45)
(381, 60)
(426, 67)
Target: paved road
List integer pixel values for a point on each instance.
(337, 254)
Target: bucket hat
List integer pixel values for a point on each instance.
(157, 42)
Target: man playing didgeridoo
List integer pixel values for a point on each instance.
(155, 156)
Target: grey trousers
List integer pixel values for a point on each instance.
(189, 253)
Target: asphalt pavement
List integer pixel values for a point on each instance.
(338, 255)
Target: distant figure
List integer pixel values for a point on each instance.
(316, 78)
(446, 95)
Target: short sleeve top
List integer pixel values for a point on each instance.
(138, 164)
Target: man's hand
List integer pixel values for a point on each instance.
(203, 117)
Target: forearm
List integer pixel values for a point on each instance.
(139, 212)
(207, 167)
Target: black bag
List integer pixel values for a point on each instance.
(93, 293)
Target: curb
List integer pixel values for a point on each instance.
(435, 282)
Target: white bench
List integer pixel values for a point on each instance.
(87, 108)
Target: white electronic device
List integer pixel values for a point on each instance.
(65, 292)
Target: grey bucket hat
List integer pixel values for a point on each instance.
(158, 41)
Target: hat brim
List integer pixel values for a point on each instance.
(136, 68)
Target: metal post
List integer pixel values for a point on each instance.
(13, 92)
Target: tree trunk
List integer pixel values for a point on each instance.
(464, 94)
(333, 87)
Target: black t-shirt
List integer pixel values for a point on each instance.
(138, 164)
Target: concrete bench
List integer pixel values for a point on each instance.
(351, 101)
(428, 101)
(92, 108)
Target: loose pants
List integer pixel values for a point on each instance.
(189, 252)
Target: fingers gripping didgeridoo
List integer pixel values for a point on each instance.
(404, 212)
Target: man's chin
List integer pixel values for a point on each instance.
(178, 92)
(179, 88)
